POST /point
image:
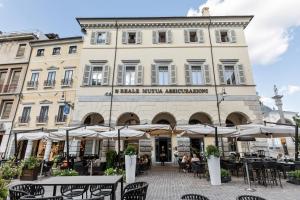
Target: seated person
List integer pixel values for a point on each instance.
(195, 158)
(184, 159)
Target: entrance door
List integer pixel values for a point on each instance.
(197, 145)
(163, 144)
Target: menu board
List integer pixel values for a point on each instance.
(145, 147)
(183, 146)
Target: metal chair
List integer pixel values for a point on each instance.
(134, 186)
(16, 194)
(249, 197)
(194, 197)
(31, 189)
(139, 193)
(70, 191)
(30, 197)
(101, 190)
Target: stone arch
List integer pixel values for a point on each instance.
(93, 119)
(128, 118)
(237, 118)
(200, 118)
(164, 118)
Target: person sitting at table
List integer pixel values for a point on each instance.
(195, 158)
(280, 157)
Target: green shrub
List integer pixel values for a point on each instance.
(65, 172)
(10, 169)
(111, 156)
(295, 174)
(31, 163)
(224, 173)
(130, 150)
(3, 189)
(114, 171)
(212, 150)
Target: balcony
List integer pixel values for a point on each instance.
(60, 119)
(32, 84)
(66, 82)
(8, 88)
(24, 120)
(49, 83)
(41, 119)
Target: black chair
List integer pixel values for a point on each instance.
(30, 197)
(194, 196)
(70, 191)
(249, 197)
(16, 194)
(17, 191)
(138, 193)
(101, 190)
(182, 166)
(134, 186)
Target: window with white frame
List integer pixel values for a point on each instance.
(130, 75)
(56, 51)
(162, 36)
(25, 114)
(6, 109)
(229, 75)
(73, 49)
(40, 52)
(96, 75)
(193, 36)
(34, 76)
(131, 37)
(101, 37)
(163, 75)
(197, 75)
(21, 50)
(225, 36)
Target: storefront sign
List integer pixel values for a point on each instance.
(160, 91)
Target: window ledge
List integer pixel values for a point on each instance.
(60, 123)
(41, 123)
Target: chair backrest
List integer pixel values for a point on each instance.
(30, 197)
(134, 186)
(194, 196)
(136, 194)
(249, 197)
(68, 188)
(22, 187)
(100, 187)
(16, 194)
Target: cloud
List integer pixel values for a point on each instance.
(269, 33)
(267, 101)
(289, 90)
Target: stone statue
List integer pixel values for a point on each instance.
(275, 90)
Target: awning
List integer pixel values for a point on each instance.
(77, 133)
(207, 131)
(39, 135)
(150, 127)
(124, 134)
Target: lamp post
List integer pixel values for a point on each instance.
(222, 95)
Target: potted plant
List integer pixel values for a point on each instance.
(3, 189)
(30, 169)
(65, 172)
(294, 177)
(10, 170)
(110, 158)
(225, 176)
(213, 161)
(130, 163)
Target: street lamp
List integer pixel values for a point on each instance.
(222, 95)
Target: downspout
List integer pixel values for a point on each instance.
(18, 103)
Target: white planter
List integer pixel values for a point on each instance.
(214, 170)
(130, 165)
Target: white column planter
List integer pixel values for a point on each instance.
(214, 170)
(130, 165)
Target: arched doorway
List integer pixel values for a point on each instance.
(93, 119)
(128, 118)
(236, 118)
(200, 118)
(164, 118)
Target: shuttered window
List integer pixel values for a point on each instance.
(162, 36)
(6, 109)
(131, 37)
(232, 74)
(130, 75)
(225, 36)
(163, 75)
(194, 36)
(96, 75)
(21, 50)
(197, 75)
(102, 37)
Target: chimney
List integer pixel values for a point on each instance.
(205, 11)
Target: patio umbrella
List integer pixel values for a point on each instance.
(261, 131)
(82, 132)
(124, 134)
(150, 127)
(207, 131)
(32, 135)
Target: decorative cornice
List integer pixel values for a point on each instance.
(46, 102)
(38, 69)
(131, 61)
(52, 68)
(201, 61)
(98, 61)
(229, 61)
(163, 60)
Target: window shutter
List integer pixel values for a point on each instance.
(108, 37)
(218, 36)
(93, 38)
(188, 77)
(139, 37)
(186, 36)
(232, 36)
(153, 74)
(154, 37)
(140, 74)
(120, 75)
(207, 74)
(200, 35)
(173, 75)
(105, 75)
(124, 37)
(169, 37)
(221, 74)
(241, 74)
(86, 75)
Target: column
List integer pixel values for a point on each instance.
(47, 150)
(28, 149)
(94, 146)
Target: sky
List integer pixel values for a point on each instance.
(273, 35)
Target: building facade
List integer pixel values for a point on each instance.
(166, 70)
(15, 53)
(50, 85)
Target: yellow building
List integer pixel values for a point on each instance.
(50, 83)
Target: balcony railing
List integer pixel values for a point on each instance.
(60, 118)
(41, 119)
(32, 84)
(49, 83)
(8, 88)
(66, 82)
(24, 120)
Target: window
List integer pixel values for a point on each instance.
(162, 37)
(129, 75)
(40, 52)
(56, 51)
(50, 79)
(131, 37)
(72, 49)
(25, 115)
(14, 80)
(67, 81)
(2, 79)
(193, 36)
(101, 38)
(34, 77)
(21, 50)
(43, 114)
(163, 75)
(197, 76)
(229, 75)
(60, 115)
(5, 109)
(224, 36)
(97, 75)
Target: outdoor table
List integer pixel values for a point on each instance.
(82, 180)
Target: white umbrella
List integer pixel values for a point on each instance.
(79, 133)
(261, 131)
(124, 133)
(208, 131)
(98, 128)
(32, 135)
(150, 127)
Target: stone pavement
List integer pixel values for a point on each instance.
(166, 183)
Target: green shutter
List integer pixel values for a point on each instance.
(200, 35)
(221, 74)
(154, 37)
(124, 37)
(186, 36)
(154, 80)
(139, 75)
(173, 75)
(139, 37)
(241, 74)
(120, 75)
(232, 36)
(86, 75)
(169, 36)
(105, 75)
(93, 38)
(108, 37)
(218, 36)
(188, 75)
(206, 74)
